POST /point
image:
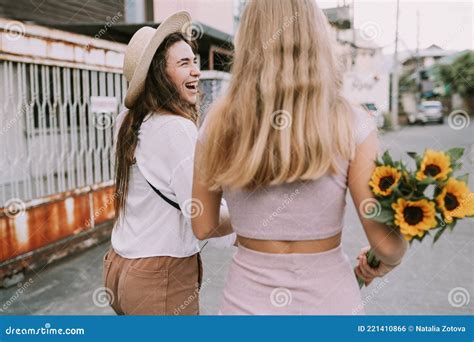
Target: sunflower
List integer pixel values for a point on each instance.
(384, 179)
(455, 200)
(435, 164)
(414, 217)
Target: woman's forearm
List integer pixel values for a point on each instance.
(224, 227)
(389, 247)
(214, 226)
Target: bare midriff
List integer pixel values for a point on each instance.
(286, 247)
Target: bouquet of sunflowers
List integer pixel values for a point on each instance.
(428, 200)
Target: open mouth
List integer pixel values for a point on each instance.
(192, 85)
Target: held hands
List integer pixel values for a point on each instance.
(367, 272)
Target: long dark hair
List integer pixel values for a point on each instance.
(160, 94)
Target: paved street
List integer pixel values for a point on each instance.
(420, 286)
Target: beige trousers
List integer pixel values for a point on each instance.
(161, 285)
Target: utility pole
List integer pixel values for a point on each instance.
(394, 99)
(417, 61)
(354, 47)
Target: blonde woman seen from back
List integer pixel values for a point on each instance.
(282, 146)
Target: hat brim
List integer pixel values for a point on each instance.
(174, 23)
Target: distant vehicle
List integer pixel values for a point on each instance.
(378, 116)
(429, 111)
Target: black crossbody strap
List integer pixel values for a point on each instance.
(170, 202)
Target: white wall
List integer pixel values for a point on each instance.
(367, 81)
(218, 14)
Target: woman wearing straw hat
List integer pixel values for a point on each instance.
(154, 267)
(282, 146)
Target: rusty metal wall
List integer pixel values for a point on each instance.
(52, 146)
(56, 151)
(54, 218)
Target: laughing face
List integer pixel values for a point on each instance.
(183, 71)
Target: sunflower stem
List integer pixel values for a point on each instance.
(372, 261)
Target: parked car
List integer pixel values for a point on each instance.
(378, 116)
(429, 111)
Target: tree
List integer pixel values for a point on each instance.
(458, 77)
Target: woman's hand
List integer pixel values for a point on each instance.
(368, 273)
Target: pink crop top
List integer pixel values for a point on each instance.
(303, 210)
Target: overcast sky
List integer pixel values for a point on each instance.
(448, 24)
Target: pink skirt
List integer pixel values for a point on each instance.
(291, 284)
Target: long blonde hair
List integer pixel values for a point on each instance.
(283, 117)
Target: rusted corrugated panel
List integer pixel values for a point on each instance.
(8, 241)
(54, 218)
(103, 209)
(39, 258)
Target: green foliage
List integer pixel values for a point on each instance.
(459, 76)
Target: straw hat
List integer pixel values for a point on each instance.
(141, 49)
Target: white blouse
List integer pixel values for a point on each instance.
(164, 157)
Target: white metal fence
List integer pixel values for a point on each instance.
(213, 83)
(51, 140)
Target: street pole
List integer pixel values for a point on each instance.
(394, 99)
(417, 64)
(354, 47)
